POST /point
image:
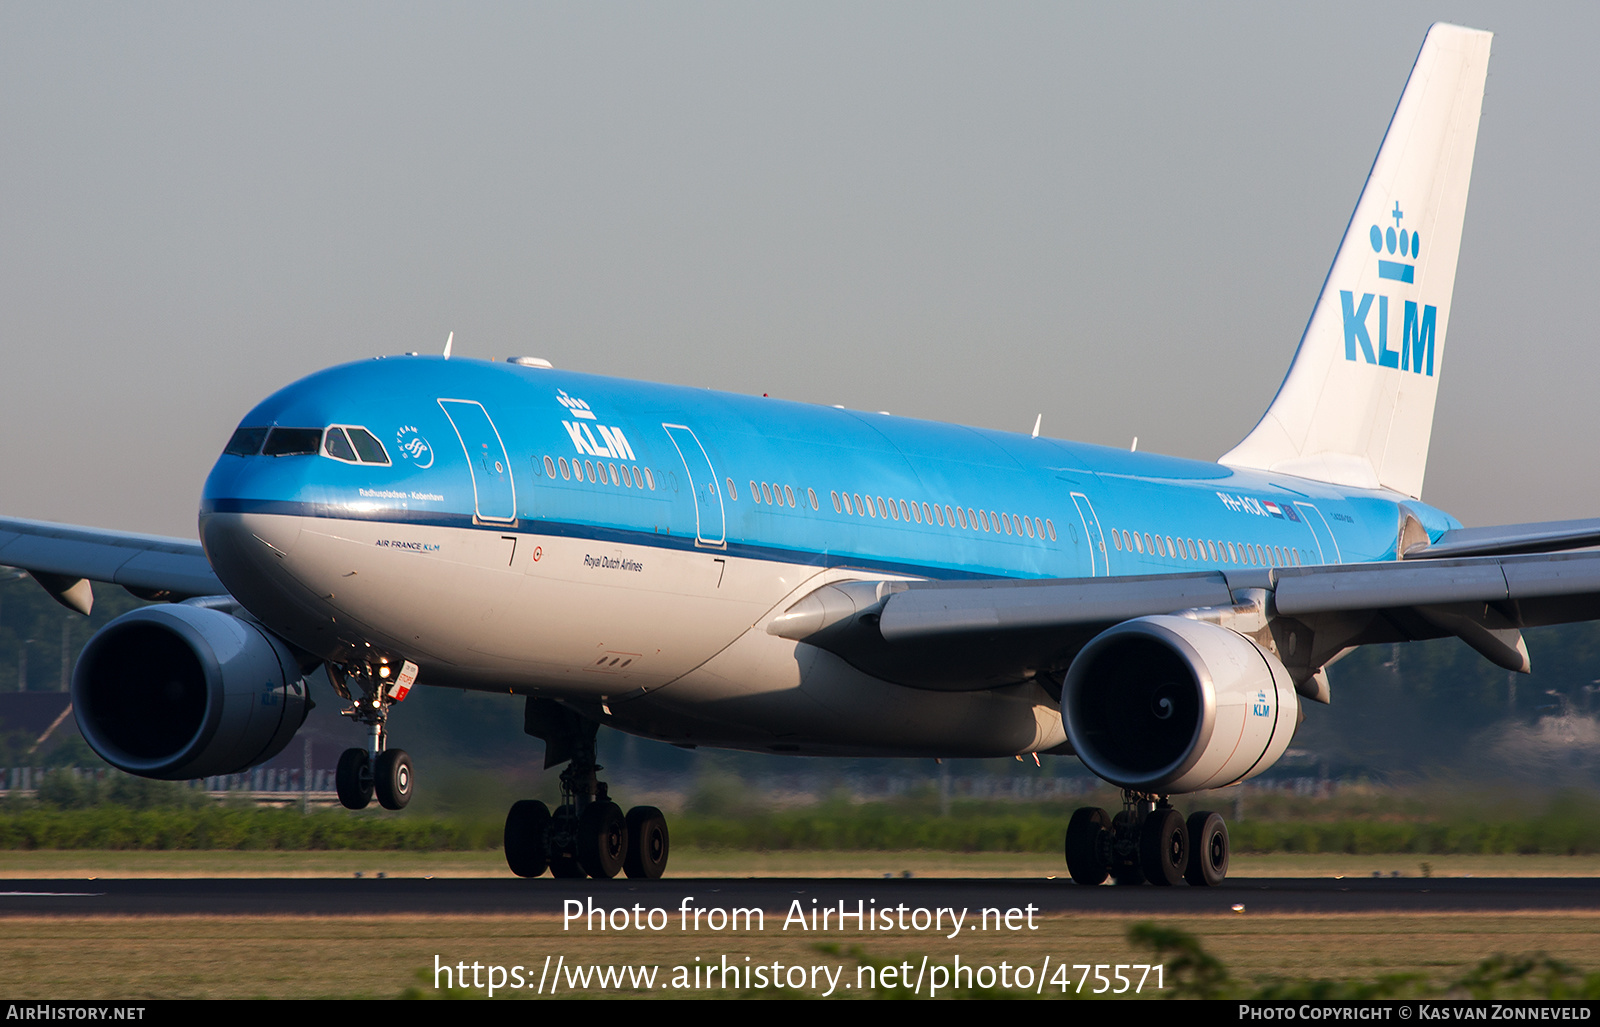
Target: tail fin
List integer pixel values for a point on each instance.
(1357, 405)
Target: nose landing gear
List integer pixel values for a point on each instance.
(1147, 841)
(376, 769)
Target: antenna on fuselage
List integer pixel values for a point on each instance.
(1037, 421)
(1135, 447)
(448, 342)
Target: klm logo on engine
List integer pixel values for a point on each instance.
(1261, 707)
(610, 443)
(1416, 325)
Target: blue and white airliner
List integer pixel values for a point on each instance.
(723, 570)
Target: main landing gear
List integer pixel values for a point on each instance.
(587, 835)
(1148, 841)
(376, 769)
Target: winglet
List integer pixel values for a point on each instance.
(1357, 405)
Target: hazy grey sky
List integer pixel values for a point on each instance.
(1117, 216)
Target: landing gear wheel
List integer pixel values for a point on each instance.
(1163, 847)
(1125, 849)
(391, 778)
(353, 780)
(1086, 845)
(526, 825)
(602, 840)
(647, 843)
(563, 860)
(1208, 849)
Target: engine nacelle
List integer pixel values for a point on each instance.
(179, 692)
(1167, 704)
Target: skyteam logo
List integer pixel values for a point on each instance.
(1416, 328)
(414, 447)
(611, 442)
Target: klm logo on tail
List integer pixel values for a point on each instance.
(1416, 327)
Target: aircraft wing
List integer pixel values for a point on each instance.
(64, 559)
(987, 633)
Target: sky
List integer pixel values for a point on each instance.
(1116, 216)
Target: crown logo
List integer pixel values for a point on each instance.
(578, 407)
(1396, 240)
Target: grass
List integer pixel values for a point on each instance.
(322, 957)
(695, 863)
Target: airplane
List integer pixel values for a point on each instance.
(711, 569)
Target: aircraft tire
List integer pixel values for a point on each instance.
(1086, 833)
(1164, 847)
(648, 843)
(353, 779)
(1208, 849)
(602, 840)
(526, 826)
(392, 778)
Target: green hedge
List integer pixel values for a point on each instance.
(1561, 829)
(111, 827)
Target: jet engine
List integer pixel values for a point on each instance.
(1167, 704)
(184, 691)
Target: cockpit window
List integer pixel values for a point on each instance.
(337, 446)
(370, 449)
(246, 442)
(293, 442)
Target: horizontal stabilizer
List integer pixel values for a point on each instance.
(1507, 539)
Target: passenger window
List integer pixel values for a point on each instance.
(985, 515)
(788, 496)
(549, 467)
(961, 515)
(1116, 539)
(733, 492)
(894, 511)
(1028, 523)
(566, 475)
(881, 511)
(650, 479)
(1138, 544)
(1050, 526)
(766, 493)
(837, 508)
(637, 482)
(614, 479)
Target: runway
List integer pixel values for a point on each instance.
(545, 897)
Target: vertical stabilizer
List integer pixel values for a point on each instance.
(1357, 405)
